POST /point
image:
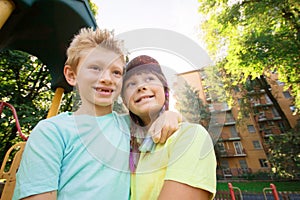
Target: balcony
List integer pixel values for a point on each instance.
(229, 137)
(266, 116)
(231, 153)
(233, 172)
(229, 122)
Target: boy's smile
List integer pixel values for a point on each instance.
(99, 80)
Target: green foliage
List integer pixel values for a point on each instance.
(190, 105)
(25, 84)
(252, 38)
(284, 153)
(93, 7)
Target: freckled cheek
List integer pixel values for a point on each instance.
(128, 97)
(119, 82)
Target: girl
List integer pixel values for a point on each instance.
(182, 168)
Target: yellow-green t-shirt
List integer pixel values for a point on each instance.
(187, 157)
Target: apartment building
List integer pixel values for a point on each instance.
(241, 146)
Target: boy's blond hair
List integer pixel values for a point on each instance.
(87, 38)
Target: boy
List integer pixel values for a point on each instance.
(82, 154)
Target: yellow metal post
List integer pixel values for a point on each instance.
(6, 8)
(55, 102)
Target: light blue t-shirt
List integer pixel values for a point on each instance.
(82, 157)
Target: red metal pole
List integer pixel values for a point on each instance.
(2, 104)
(231, 191)
(274, 191)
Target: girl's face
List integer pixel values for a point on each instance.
(144, 96)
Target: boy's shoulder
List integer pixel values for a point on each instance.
(59, 117)
(62, 118)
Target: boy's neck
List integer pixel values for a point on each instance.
(96, 111)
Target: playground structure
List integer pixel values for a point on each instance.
(240, 195)
(42, 28)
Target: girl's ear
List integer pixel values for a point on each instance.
(70, 75)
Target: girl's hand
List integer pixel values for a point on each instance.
(164, 126)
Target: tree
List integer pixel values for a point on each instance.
(284, 153)
(189, 104)
(94, 8)
(25, 85)
(253, 38)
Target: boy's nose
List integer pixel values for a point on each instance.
(105, 77)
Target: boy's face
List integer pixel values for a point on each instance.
(99, 78)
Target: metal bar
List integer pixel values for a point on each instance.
(6, 8)
(56, 102)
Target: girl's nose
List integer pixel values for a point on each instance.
(142, 87)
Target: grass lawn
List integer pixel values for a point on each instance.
(256, 186)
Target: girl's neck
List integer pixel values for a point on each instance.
(149, 119)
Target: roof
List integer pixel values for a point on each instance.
(44, 28)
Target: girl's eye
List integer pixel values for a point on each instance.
(150, 78)
(130, 84)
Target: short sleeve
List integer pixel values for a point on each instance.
(192, 158)
(41, 161)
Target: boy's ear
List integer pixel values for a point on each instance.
(70, 75)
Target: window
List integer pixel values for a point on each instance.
(233, 131)
(275, 112)
(262, 126)
(263, 163)
(280, 83)
(251, 129)
(221, 146)
(243, 164)
(286, 94)
(293, 108)
(268, 100)
(261, 115)
(268, 132)
(229, 118)
(224, 164)
(225, 106)
(281, 127)
(238, 148)
(256, 144)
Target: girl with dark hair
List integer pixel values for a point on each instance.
(182, 168)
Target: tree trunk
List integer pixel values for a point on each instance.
(264, 85)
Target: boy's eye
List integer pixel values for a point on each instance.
(118, 72)
(96, 68)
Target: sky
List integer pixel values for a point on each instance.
(179, 16)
